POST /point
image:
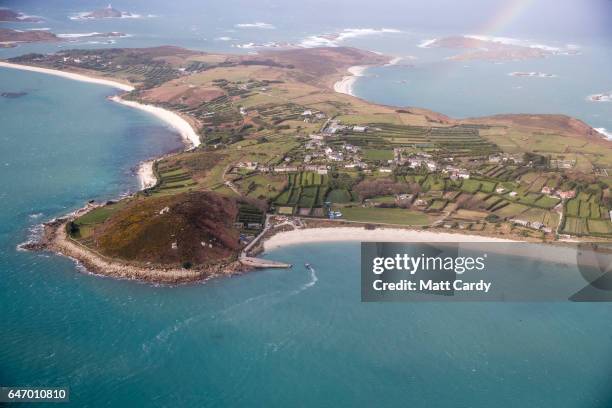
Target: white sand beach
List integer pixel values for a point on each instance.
(69, 75)
(559, 253)
(146, 175)
(345, 85)
(173, 119)
(343, 234)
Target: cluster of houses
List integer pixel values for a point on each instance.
(562, 163)
(281, 168)
(425, 160)
(309, 115)
(334, 127)
(346, 153)
(564, 195)
(506, 158)
(536, 225)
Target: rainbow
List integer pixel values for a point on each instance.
(509, 12)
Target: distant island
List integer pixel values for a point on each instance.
(494, 49)
(106, 12)
(10, 38)
(7, 15)
(270, 147)
(532, 74)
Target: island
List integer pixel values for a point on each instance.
(10, 38)
(271, 148)
(494, 49)
(106, 12)
(7, 15)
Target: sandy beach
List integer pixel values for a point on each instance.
(345, 85)
(175, 121)
(69, 75)
(558, 253)
(344, 234)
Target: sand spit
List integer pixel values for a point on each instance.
(69, 75)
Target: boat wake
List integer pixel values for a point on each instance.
(313, 281)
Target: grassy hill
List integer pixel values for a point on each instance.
(187, 228)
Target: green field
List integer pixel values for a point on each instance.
(304, 190)
(378, 154)
(339, 196)
(397, 216)
(470, 186)
(600, 226)
(437, 205)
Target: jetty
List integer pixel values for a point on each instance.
(260, 263)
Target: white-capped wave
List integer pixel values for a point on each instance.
(427, 43)
(86, 15)
(258, 24)
(271, 44)
(514, 41)
(334, 39)
(397, 60)
(604, 132)
(35, 233)
(79, 35)
(602, 97)
(532, 74)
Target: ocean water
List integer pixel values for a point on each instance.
(273, 337)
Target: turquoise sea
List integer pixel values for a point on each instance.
(269, 338)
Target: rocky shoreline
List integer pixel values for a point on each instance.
(54, 238)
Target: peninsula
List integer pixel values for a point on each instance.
(279, 150)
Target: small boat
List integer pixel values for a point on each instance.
(307, 265)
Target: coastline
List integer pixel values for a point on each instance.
(55, 239)
(188, 134)
(360, 234)
(347, 83)
(69, 75)
(556, 253)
